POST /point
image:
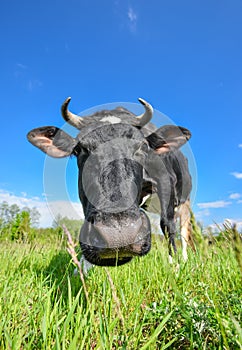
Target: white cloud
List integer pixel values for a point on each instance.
(23, 75)
(48, 210)
(126, 15)
(237, 175)
(132, 17)
(215, 204)
(202, 213)
(71, 210)
(22, 66)
(240, 145)
(237, 222)
(235, 196)
(34, 83)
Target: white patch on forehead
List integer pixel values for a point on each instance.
(111, 119)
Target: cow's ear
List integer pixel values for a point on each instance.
(168, 138)
(52, 141)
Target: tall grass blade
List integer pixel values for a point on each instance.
(157, 331)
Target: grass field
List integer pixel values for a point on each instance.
(146, 304)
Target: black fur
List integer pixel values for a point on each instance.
(118, 166)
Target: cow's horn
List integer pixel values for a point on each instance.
(69, 117)
(147, 115)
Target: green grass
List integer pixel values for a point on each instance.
(195, 306)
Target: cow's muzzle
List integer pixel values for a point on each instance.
(115, 244)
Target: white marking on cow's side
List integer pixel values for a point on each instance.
(111, 119)
(145, 199)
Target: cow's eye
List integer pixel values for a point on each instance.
(142, 151)
(144, 147)
(79, 149)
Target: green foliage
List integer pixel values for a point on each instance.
(20, 228)
(230, 236)
(73, 226)
(17, 224)
(195, 306)
(49, 235)
(196, 230)
(8, 214)
(160, 306)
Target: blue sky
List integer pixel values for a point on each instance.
(184, 57)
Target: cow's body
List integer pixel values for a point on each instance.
(172, 185)
(122, 159)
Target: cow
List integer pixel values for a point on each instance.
(122, 160)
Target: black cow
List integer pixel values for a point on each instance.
(123, 158)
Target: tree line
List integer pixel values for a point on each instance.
(18, 223)
(21, 225)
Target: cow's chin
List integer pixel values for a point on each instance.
(110, 246)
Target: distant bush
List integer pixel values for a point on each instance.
(18, 224)
(21, 227)
(49, 235)
(73, 226)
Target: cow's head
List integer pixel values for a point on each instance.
(112, 154)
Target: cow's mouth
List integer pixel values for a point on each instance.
(109, 246)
